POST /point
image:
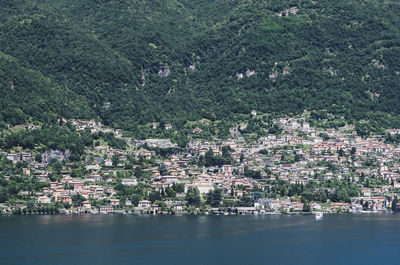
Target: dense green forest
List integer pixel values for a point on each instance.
(130, 62)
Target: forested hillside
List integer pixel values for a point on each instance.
(130, 62)
(26, 96)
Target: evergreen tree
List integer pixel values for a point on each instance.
(193, 196)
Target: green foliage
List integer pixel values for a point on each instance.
(28, 95)
(179, 188)
(77, 200)
(72, 58)
(171, 192)
(336, 191)
(48, 137)
(394, 204)
(134, 193)
(10, 189)
(214, 197)
(112, 140)
(209, 159)
(3, 195)
(306, 207)
(155, 196)
(193, 196)
(263, 151)
(138, 172)
(252, 173)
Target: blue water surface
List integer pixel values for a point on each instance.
(268, 239)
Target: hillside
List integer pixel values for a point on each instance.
(130, 62)
(29, 96)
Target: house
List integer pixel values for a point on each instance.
(129, 182)
(202, 187)
(366, 192)
(227, 169)
(239, 193)
(296, 206)
(315, 206)
(109, 190)
(108, 163)
(168, 126)
(66, 199)
(114, 202)
(13, 157)
(178, 207)
(197, 130)
(170, 179)
(66, 180)
(93, 167)
(106, 209)
(144, 204)
(77, 185)
(154, 208)
(86, 205)
(43, 199)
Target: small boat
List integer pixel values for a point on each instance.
(319, 215)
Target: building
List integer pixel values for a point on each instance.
(66, 199)
(86, 205)
(144, 204)
(44, 199)
(106, 209)
(114, 202)
(129, 182)
(202, 187)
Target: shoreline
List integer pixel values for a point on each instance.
(200, 214)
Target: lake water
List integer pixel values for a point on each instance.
(130, 239)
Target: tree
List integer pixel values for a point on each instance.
(171, 192)
(353, 151)
(307, 195)
(362, 177)
(38, 158)
(324, 136)
(263, 151)
(179, 188)
(135, 198)
(209, 158)
(366, 206)
(394, 203)
(306, 207)
(321, 196)
(77, 200)
(115, 160)
(210, 198)
(214, 197)
(163, 170)
(138, 172)
(341, 152)
(3, 195)
(193, 196)
(226, 151)
(217, 194)
(154, 196)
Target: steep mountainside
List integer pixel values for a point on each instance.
(132, 61)
(29, 96)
